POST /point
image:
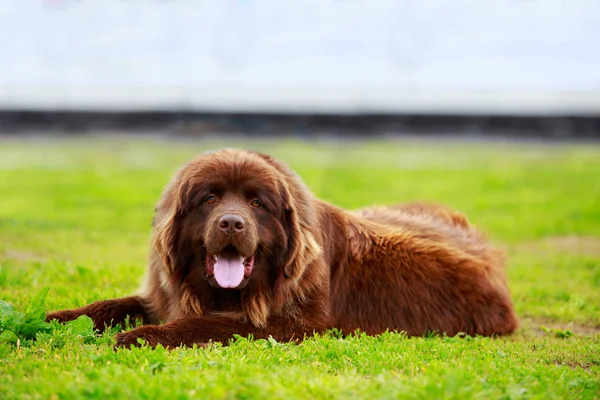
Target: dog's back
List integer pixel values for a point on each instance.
(419, 267)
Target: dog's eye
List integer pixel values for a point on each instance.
(256, 203)
(210, 199)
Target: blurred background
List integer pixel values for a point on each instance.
(397, 67)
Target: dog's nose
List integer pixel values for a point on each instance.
(232, 223)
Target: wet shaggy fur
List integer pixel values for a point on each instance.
(417, 268)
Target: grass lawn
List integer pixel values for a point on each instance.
(75, 217)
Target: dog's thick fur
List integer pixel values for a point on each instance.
(417, 268)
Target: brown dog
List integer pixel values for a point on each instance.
(240, 246)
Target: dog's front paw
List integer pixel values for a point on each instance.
(61, 316)
(150, 335)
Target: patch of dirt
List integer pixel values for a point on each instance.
(574, 364)
(587, 245)
(536, 326)
(22, 256)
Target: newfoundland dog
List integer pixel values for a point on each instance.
(241, 246)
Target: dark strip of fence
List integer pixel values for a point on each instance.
(555, 127)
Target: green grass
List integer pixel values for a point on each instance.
(75, 216)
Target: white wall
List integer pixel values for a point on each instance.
(516, 56)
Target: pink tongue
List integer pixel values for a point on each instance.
(229, 271)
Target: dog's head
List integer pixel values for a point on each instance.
(240, 216)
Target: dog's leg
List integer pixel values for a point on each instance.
(106, 312)
(200, 330)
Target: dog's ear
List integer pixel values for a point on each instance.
(167, 224)
(299, 220)
(303, 249)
